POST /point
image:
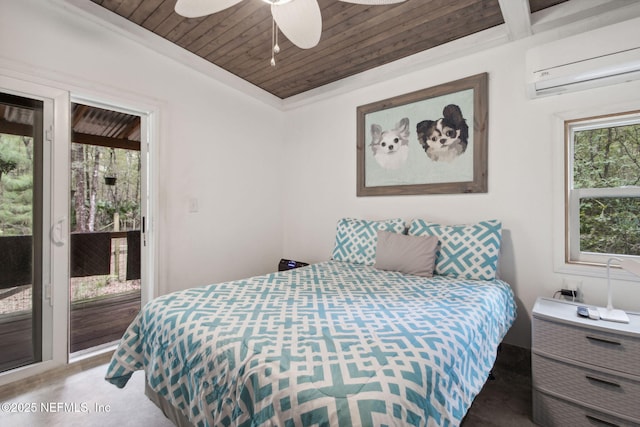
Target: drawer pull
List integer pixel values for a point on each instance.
(603, 340)
(599, 380)
(603, 422)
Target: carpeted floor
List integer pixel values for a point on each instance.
(85, 399)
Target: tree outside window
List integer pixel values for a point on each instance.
(16, 185)
(603, 187)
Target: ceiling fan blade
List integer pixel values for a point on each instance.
(373, 2)
(300, 21)
(197, 8)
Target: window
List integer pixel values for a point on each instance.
(603, 188)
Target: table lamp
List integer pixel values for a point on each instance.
(609, 313)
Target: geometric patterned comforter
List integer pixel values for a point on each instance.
(331, 344)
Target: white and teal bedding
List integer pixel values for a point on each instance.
(331, 344)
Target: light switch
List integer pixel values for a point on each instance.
(193, 205)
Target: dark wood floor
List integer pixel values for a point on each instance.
(92, 323)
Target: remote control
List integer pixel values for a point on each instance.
(590, 312)
(583, 311)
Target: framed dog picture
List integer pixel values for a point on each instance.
(432, 141)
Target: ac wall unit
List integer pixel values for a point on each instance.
(601, 57)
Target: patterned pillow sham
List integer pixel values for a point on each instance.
(466, 251)
(356, 239)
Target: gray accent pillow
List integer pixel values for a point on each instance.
(407, 254)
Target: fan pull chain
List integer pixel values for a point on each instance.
(274, 41)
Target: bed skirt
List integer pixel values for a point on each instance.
(169, 411)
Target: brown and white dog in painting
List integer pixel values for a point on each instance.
(446, 138)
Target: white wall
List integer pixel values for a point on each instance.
(215, 144)
(525, 170)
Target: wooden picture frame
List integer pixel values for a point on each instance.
(432, 141)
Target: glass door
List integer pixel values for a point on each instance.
(106, 225)
(22, 154)
(45, 202)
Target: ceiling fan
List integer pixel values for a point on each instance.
(299, 20)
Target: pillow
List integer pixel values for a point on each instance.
(466, 251)
(356, 239)
(407, 254)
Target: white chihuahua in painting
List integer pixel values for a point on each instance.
(391, 147)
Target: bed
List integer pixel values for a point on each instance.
(336, 343)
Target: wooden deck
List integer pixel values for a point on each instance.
(92, 323)
(102, 321)
(15, 341)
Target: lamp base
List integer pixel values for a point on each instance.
(613, 315)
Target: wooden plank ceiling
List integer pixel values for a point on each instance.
(355, 38)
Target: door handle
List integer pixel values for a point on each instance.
(57, 232)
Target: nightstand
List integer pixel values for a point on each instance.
(584, 372)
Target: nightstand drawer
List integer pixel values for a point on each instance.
(549, 411)
(608, 350)
(595, 388)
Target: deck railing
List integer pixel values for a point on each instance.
(102, 265)
(102, 305)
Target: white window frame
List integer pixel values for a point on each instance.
(573, 254)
